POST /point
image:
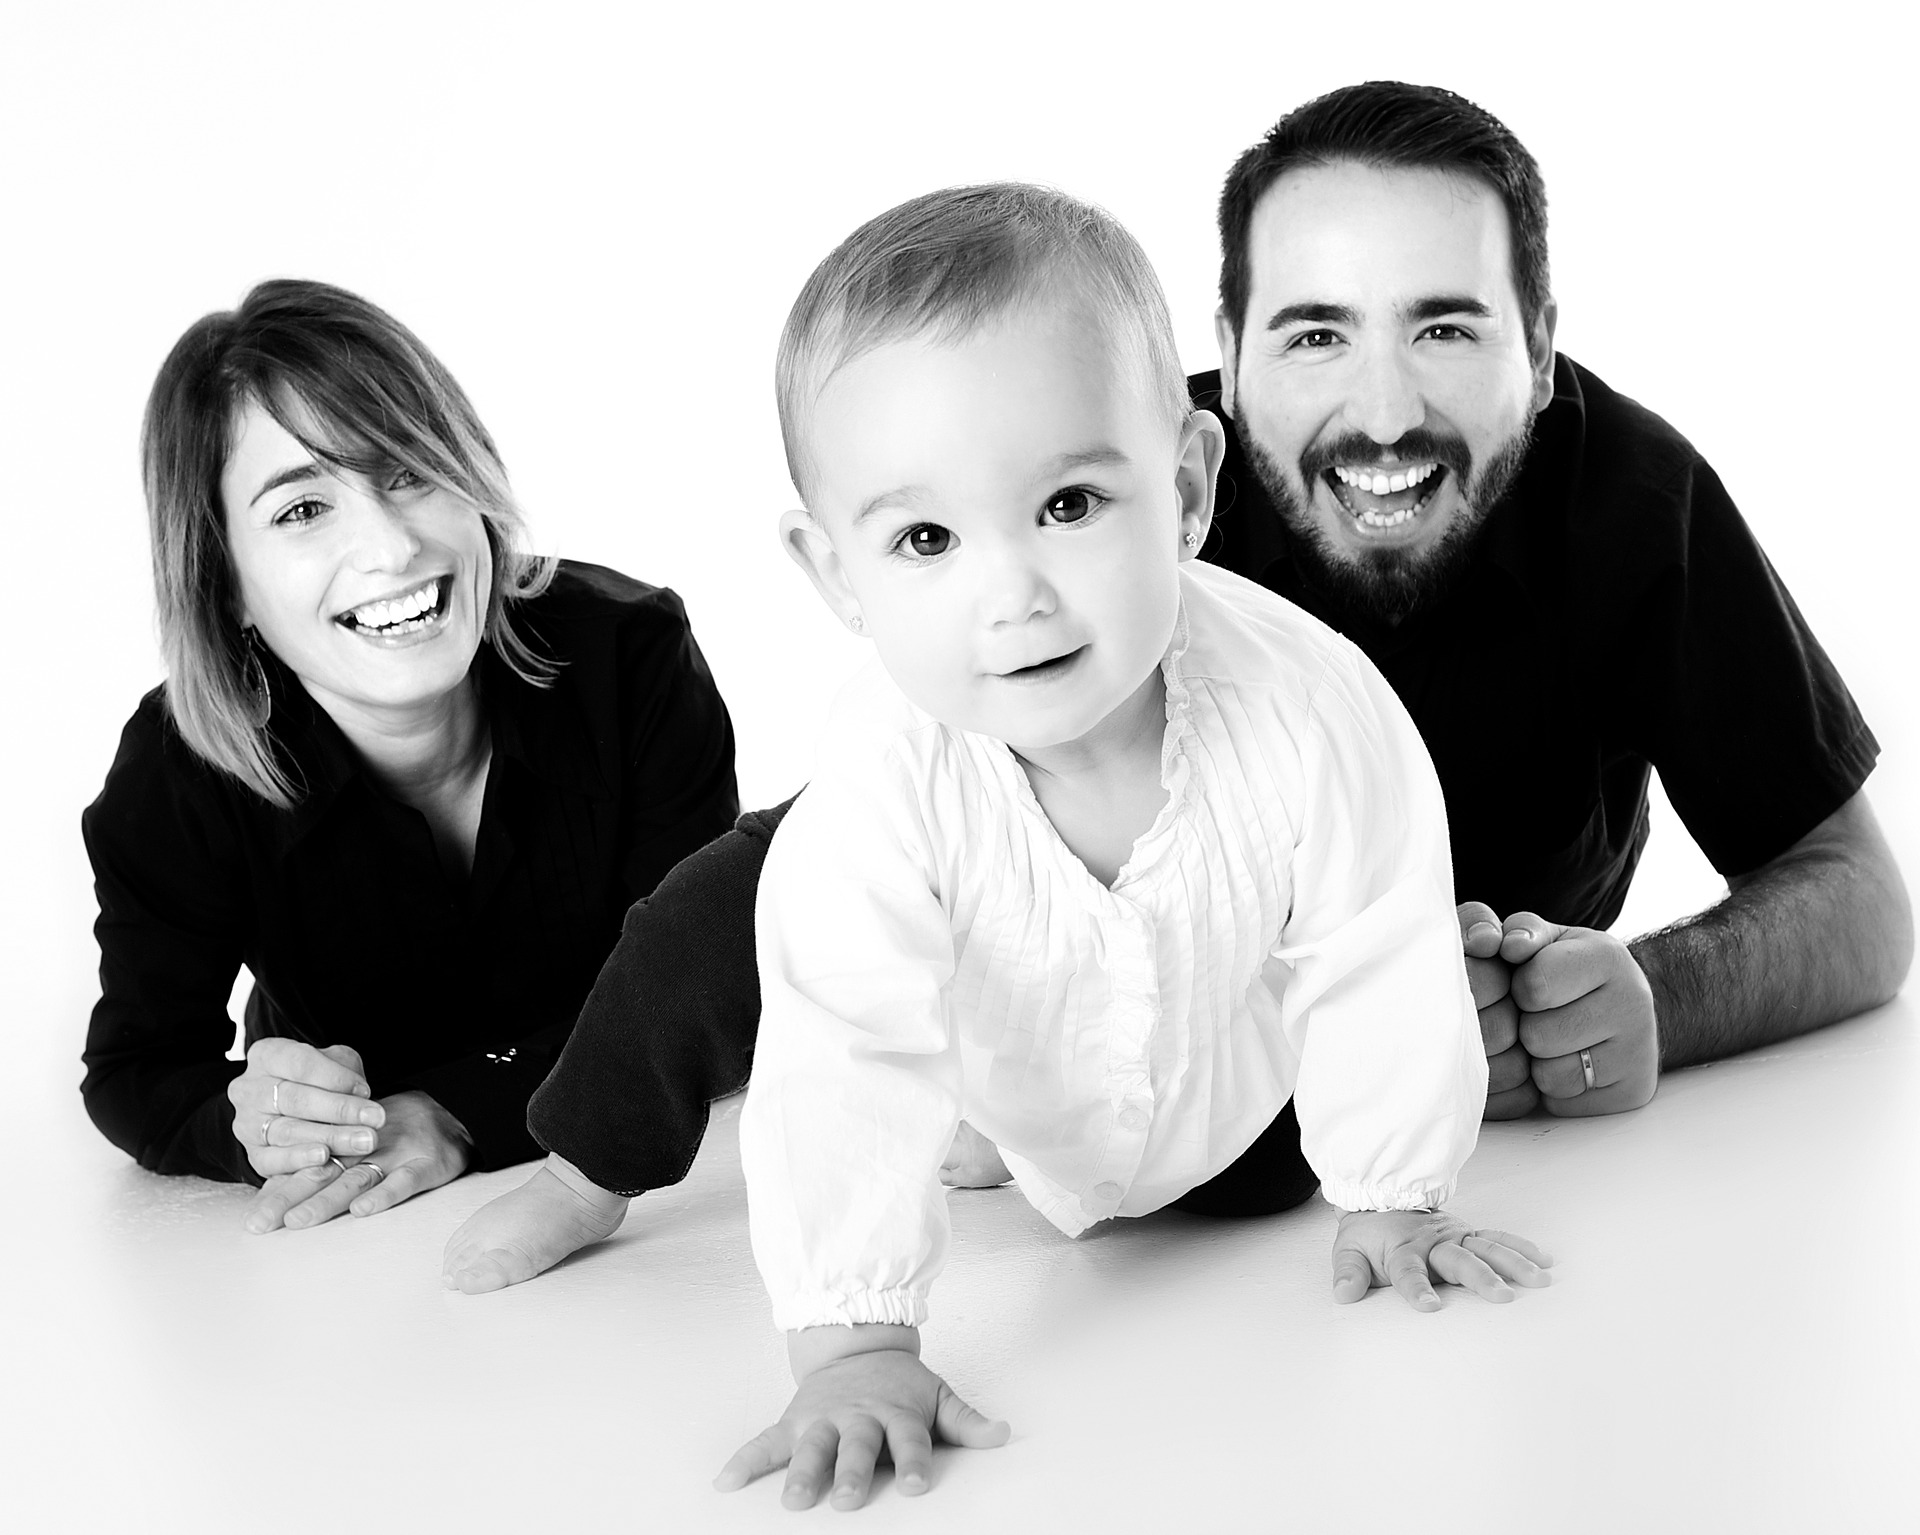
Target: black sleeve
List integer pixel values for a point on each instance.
(678, 793)
(669, 1026)
(171, 888)
(1755, 735)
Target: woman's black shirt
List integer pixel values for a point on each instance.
(341, 908)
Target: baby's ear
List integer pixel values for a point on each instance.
(808, 546)
(1203, 443)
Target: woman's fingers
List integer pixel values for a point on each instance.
(337, 1069)
(342, 1140)
(277, 1161)
(332, 1199)
(398, 1184)
(299, 1101)
(288, 1192)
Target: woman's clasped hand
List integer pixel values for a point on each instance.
(325, 1145)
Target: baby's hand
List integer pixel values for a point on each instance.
(1404, 1247)
(844, 1412)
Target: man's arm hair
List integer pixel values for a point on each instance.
(1817, 934)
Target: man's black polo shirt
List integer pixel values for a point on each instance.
(1616, 613)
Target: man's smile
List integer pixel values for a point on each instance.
(1382, 497)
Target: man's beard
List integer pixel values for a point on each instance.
(1389, 584)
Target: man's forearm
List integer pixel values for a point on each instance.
(1822, 932)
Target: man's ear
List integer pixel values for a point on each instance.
(1203, 443)
(1540, 354)
(808, 546)
(1229, 359)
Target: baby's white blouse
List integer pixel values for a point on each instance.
(929, 950)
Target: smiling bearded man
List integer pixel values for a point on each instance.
(1560, 591)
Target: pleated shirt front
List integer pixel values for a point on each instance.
(930, 949)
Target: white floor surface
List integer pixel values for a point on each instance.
(1729, 1345)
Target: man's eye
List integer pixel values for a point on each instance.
(1067, 506)
(926, 540)
(304, 510)
(1447, 332)
(1315, 340)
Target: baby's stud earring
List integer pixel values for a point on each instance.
(857, 624)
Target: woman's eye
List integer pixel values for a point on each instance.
(1071, 505)
(926, 541)
(304, 510)
(404, 479)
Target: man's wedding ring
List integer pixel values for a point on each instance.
(1586, 1069)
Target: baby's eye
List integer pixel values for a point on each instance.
(926, 540)
(302, 511)
(1071, 505)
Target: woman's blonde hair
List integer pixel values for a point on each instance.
(360, 393)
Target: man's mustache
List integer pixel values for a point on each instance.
(1418, 446)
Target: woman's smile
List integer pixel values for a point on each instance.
(408, 617)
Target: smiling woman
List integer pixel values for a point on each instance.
(411, 776)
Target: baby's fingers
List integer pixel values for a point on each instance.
(1407, 1273)
(912, 1449)
(958, 1423)
(767, 1451)
(853, 1472)
(812, 1465)
(1453, 1263)
(1514, 1259)
(1352, 1275)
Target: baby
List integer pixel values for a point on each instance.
(1114, 854)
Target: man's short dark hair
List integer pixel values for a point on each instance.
(1387, 124)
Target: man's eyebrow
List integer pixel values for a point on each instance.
(1312, 314)
(294, 474)
(1438, 305)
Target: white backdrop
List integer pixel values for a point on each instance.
(598, 216)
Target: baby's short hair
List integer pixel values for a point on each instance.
(951, 262)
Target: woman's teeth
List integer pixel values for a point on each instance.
(399, 615)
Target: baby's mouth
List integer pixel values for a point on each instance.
(408, 613)
(1040, 671)
(1380, 497)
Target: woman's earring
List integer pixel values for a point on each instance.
(253, 677)
(857, 624)
(1192, 540)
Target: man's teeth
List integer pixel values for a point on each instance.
(1379, 482)
(397, 610)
